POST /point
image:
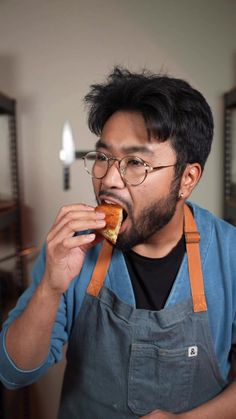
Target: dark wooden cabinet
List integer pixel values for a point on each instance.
(230, 156)
(11, 262)
(12, 404)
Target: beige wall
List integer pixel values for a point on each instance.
(52, 50)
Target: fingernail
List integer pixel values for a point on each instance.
(100, 222)
(89, 237)
(100, 215)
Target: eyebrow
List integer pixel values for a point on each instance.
(130, 149)
(100, 144)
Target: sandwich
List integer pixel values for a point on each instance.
(113, 218)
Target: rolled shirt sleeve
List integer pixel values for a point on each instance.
(12, 376)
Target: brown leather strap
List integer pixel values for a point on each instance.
(192, 238)
(100, 269)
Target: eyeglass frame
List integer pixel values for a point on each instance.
(148, 167)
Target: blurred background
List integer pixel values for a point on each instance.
(51, 51)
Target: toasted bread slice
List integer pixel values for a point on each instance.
(114, 216)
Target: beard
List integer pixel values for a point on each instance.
(151, 220)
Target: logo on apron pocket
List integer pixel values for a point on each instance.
(192, 351)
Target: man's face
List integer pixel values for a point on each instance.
(151, 205)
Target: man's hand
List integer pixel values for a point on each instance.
(65, 252)
(28, 338)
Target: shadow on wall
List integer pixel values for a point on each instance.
(8, 67)
(234, 67)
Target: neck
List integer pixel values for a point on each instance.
(162, 242)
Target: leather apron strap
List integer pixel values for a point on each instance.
(192, 238)
(100, 269)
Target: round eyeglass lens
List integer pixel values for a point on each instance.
(133, 170)
(96, 164)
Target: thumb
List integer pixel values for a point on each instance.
(89, 245)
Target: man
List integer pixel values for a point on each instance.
(154, 340)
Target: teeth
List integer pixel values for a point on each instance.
(108, 202)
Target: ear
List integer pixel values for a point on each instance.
(190, 178)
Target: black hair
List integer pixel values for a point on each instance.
(171, 108)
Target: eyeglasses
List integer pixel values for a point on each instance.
(133, 170)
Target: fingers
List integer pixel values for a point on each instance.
(69, 229)
(65, 251)
(78, 241)
(84, 241)
(75, 218)
(73, 207)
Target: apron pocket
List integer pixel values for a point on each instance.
(159, 379)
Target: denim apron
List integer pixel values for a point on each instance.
(125, 362)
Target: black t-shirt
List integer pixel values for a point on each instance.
(152, 279)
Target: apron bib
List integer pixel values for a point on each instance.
(124, 362)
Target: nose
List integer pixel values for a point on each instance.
(113, 177)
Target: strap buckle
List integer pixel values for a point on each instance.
(192, 236)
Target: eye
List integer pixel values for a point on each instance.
(134, 162)
(101, 157)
